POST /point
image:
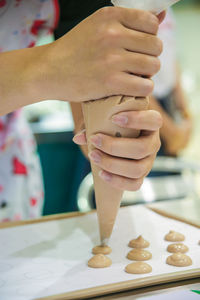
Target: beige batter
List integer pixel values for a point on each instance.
(139, 243)
(99, 261)
(174, 236)
(101, 250)
(179, 260)
(139, 254)
(138, 268)
(179, 247)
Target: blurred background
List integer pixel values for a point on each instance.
(63, 164)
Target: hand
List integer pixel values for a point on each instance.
(114, 51)
(186, 114)
(180, 138)
(126, 161)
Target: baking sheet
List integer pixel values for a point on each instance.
(50, 258)
(186, 209)
(180, 295)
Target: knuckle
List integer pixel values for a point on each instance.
(147, 18)
(158, 46)
(104, 11)
(108, 40)
(158, 145)
(146, 61)
(154, 146)
(140, 88)
(111, 59)
(139, 16)
(158, 120)
(139, 170)
(107, 12)
(148, 171)
(155, 66)
(109, 34)
(150, 146)
(142, 150)
(111, 82)
(154, 23)
(112, 33)
(136, 185)
(152, 64)
(147, 87)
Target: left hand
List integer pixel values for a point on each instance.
(126, 161)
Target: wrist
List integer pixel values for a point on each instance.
(52, 81)
(36, 75)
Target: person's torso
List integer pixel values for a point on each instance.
(22, 20)
(73, 12)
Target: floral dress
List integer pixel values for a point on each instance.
(21, 186)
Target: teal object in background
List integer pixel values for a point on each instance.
(196, 291)
(186, 2)
(64, 166)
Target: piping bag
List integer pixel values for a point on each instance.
(97, 116)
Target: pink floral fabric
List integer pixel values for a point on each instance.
(21, 186)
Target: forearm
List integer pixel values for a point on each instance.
(180, 96)
(21, 77)
(181, 101)
(168, 129)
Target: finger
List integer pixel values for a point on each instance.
(138, 20)
(141, 120)
(141, 42)
(121, 183)
(131, 148)
(80, 138)
(121, 166)
(152, 158)
(140, 64)
(129, 85)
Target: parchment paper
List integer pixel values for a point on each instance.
(51, 258)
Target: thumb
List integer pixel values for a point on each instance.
(80, 138)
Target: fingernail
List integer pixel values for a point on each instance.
(80, 138)
(79, 134)
(94, 156)
(96, 140)
(120, 120)
(105, 176)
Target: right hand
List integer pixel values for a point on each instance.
(114, 51)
